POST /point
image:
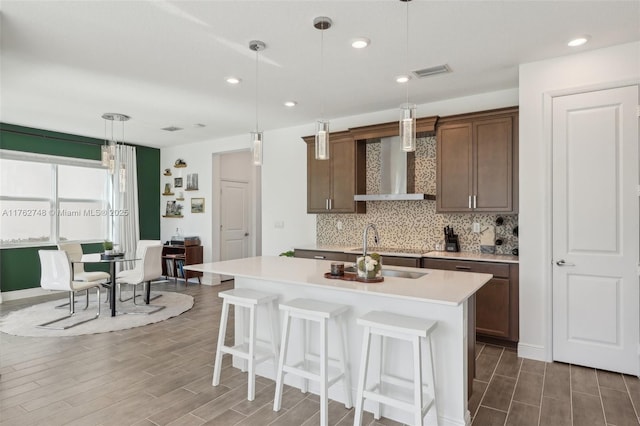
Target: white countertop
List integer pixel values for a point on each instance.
(463, 255)
(436, 286)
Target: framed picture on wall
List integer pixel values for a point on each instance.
(192, 182)
(177, 182)
(197, 205)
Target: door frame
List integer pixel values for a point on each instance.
(547, 132)
(255, 206)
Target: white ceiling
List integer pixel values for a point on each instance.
(164, 63)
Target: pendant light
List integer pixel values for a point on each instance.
(322, 126)
(407, 110)
(112, 152)
(256, 137)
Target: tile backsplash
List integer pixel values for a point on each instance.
(412, 224)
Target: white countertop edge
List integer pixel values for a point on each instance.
(437, 286)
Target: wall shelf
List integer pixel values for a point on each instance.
(173, 215)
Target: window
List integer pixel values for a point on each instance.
(46, 199)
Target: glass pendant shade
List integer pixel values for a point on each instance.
(256, 143)
(104, 155)
(408, 127)
(322, 140)
(122, 178)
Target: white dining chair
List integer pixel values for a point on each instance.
(56, 275)
(147, 269)
(76, 257)
(140, 249)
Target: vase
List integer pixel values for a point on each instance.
(369, 267)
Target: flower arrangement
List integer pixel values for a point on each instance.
(369, 266)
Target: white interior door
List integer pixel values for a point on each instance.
(234, 220)
(595, 229)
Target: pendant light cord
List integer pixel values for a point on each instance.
(407, 52)
(257, 90)
(322, 72)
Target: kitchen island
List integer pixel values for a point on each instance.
(443, 296)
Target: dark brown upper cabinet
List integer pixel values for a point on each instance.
(332, 183)
(477, 162)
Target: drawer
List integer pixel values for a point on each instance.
(319, 254)
(498, 270)
(412, 262)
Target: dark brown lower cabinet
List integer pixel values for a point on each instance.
(497, 304)
(320, 254)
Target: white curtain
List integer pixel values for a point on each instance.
(126, 228)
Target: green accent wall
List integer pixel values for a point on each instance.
(20, 267)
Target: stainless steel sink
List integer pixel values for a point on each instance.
(402, 274)
(393, 273)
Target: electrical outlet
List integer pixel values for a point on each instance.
(476, 227)
(278, 224)
(339, 225)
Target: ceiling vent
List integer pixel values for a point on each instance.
(172, 128)
(428, 72)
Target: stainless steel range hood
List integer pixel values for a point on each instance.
(397, 174)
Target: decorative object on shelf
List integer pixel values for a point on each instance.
(177, 182)
(499, 221)
(322, 126)
(173, 209)
(407, 110)
(256, 137)
(369, 267)
(180, 163)
(110, 154)
(192, 182)
(167, 172)
(180, 196)
(167, 189)
(197, 205)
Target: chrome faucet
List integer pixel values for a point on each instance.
(376, 237)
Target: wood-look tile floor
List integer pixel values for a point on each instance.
(160, 374)
(512, 391)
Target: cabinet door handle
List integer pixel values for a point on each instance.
(464, 268)
(326, 204)
(469, 201)
(475, 201)
(330, 203)
(319, 257)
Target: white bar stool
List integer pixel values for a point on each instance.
(320, 312)
(411, 329)
(248, 299)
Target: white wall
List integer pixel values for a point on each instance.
(284, 173)
(538, 81)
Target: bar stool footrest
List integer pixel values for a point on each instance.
(242, 351)
(395, 402)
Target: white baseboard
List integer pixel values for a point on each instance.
(535, 352)
(22, 294)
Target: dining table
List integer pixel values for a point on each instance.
(112, 261)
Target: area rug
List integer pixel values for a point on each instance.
(23, 322)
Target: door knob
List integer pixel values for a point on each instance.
(246, 234)
(562, 262)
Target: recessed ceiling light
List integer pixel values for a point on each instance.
(233, 80)
(290, 104)
(578, 41)
(360, 42)
(403, 78)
